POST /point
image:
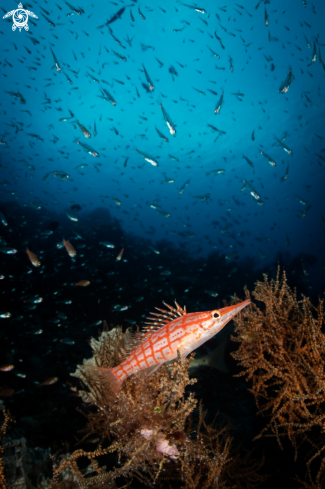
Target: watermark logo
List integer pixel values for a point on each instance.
(20, 18)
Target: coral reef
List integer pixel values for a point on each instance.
(3, 430)
(154, 433)
(21, 467)
(282, 353)
(152, 429)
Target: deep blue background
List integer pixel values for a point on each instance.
(248, 229)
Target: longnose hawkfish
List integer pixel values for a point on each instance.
(168, 332)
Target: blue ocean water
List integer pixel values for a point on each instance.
(177, 44)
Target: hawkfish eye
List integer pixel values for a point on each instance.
(216, 314)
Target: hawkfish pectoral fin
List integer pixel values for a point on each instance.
(150, 370)
(186, 351)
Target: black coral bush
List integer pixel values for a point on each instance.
(282, 353)
(153, 430)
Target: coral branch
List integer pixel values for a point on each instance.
(282, 352)
(3, 430)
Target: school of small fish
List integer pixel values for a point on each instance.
(213, 139)
(168, 72)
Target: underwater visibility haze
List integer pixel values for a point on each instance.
(240, 170)
(150, 151)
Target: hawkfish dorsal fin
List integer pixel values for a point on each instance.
(178, 310)
(165, 316)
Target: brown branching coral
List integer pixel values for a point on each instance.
(282, 352)
(151, 428)
(3, 430)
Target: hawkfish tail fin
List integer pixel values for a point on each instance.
(110, 379)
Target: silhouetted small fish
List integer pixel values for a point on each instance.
(7, 367)
(70, 249)
(49, 381)
(116, 16)
(145, 87)
(82, 283)
(33, 258)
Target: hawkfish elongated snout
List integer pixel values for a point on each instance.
(234, 309)
(225, 314)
